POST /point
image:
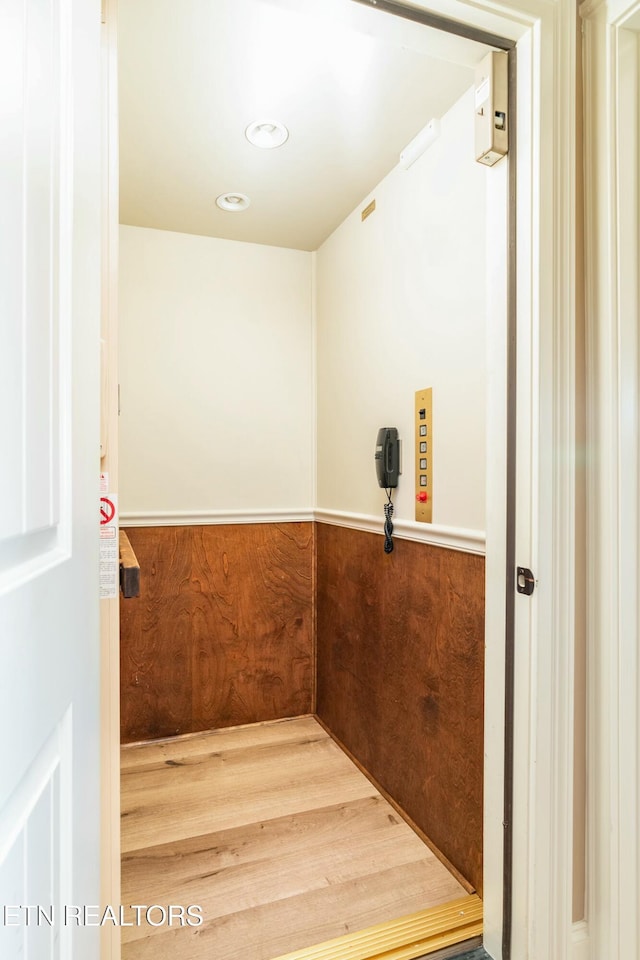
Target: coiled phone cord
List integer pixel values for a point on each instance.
(388, 525)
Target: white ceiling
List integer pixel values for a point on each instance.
(352, 84)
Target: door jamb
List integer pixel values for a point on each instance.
(611, 31)
(109, 609)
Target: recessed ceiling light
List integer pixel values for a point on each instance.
(266, 134)
(233, 202)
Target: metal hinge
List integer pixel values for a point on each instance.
(525, 581)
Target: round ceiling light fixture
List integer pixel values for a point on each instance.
(233, 202)
(267, 134)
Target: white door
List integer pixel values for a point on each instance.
(49, 435)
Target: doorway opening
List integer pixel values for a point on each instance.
(266, 596)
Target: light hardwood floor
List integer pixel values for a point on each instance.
(274, 833)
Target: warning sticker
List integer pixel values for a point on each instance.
(107, 510)
(109, 546)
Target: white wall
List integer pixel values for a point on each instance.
(216, 374)
(401, 305)
(216, 352)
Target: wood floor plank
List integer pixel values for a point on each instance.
(190, 812)
(280, 839)
(218, 791)
(250, 884)
(255, 757)
(272, 929)
(215, 770)
(136, 755)
(292, 834)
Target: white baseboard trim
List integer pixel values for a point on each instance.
(580, 941)
(455, 538)
(192, 518)
(468, 541)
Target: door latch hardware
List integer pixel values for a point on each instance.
(525, 581)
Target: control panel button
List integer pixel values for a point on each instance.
(422, 496)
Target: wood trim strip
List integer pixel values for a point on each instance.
(396, 806)
(406, 938)
(194, 518)
(453, 538)
(185, 737)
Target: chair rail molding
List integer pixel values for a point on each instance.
(205, 517)
(454, 538)
(612, 180)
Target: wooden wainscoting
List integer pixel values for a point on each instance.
(222, 632)
(400, 674)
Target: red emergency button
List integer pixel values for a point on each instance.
(422, 497)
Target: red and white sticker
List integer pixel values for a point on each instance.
(109, 544)
(107, 510)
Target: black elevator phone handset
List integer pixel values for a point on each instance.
(387, 458)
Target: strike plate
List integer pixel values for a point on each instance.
(525, 581)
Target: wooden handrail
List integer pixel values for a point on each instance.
(129, 568)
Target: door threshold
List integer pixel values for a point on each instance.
(407, 938)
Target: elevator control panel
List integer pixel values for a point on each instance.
(424, 455)
(492, 108)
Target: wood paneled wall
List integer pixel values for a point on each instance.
(221, 633)
(400, 674)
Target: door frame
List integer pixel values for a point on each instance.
(543, 728)
(612, 157)
(110, 609)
